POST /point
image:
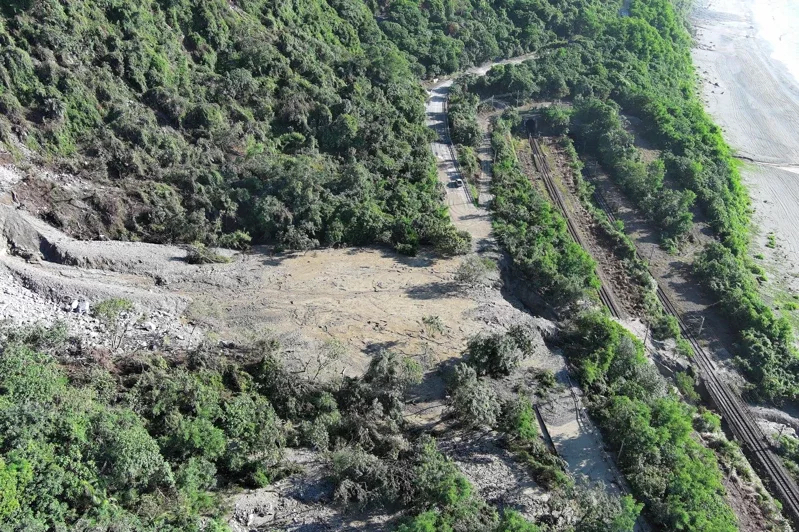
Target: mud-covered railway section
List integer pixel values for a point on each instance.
(605, 293)
(733, 410)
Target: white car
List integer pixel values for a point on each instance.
(459, 183)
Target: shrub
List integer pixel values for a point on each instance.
(520, 421)
(114, 314)
(534, 233)
(546, 381)
(199, 254)
(499, 354)
(438, 482)
(474, 270)
(707, 421)
(473, 400)
(513, 521)
(446, 495)
(38, 337)
(686, 383)
(363, 478)
(556, 119)
(644, 424)
(495, 355)
(767, 355)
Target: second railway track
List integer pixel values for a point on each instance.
(733, 409)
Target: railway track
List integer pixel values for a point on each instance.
(541, 163)
(733, 409)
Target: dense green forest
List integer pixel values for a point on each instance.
(641, 64)
(298, 124)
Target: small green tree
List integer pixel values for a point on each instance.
(556, 119)
(474, 401)
(113, 314)
(474, 270)
(433, 325)
(495, 355)
(520, 420)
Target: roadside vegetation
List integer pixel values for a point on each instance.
(649, 427)
(145, 442)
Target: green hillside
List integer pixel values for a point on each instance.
(296, 122)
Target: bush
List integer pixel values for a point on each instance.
(473, 400)
(599, 127)
(446, 496)
(686, 383)
(438, 482)
(363, 478)
(707, 421)
(114, 314)
(766, 354)
(520, 421)
(495, 355)
(513, 521)
(462, 116)
(474, 270)
(199, 254)
(38, 337)
(556, 119)
(470, 166)
(120, 452)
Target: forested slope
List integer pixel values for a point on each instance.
(298, 123)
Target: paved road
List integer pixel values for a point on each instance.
(465, 215)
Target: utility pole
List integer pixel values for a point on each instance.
(700, 326)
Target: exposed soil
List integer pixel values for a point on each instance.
(610, 270)
(673, 271)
